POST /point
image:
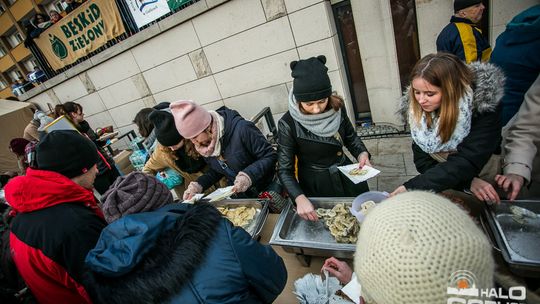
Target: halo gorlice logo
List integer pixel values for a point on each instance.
(462, 289)
(58, 47)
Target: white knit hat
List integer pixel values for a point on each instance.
(410, 245)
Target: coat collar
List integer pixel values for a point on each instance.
(164, 270)
(488, 89)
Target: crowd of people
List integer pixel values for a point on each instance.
(472, 115)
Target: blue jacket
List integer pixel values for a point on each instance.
(517, 53)
(462, 38)
(244, 148)
(182, 254)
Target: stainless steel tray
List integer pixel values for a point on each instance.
(254, 228)
(299, 236)
(519, 243)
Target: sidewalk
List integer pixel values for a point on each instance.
(393, 157)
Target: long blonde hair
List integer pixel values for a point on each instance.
(453, 77)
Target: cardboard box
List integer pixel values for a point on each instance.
(122, 161)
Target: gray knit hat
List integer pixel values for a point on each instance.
(134, 193)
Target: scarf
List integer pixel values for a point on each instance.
(429, 140)
(324, 124)
(218, 128)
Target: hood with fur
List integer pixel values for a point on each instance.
(143, 261)
(488, 89)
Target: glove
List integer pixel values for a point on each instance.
(242, 182)
(191, 190)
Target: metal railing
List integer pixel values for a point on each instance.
(130, 26)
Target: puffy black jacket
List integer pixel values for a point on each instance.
(318, 159)
(245, 149)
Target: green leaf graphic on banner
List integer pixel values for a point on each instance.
(174, 4)
(58, 47)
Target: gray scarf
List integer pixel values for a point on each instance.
(324, 124)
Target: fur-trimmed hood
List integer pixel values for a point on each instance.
(488, 89)
(167, 259)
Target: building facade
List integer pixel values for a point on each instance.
(236, 53)
(16, 61)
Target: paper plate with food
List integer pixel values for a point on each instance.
(358, 175)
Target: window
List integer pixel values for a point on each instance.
(2, 9)
(15, 38)
(2, 51)
(30, 64)
(3, 84)
(11, 1)
(15, 74)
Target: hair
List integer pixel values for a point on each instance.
(453, 77)
(335, 102)
(66, 109)
(144, 124)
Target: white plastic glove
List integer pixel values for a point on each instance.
(191, 190)
(242, 182)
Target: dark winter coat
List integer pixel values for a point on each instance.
(57, 223)
(476, 148)
(462, 38)
(318, 159)
(244, 148)
(517, 53)
(182, 253)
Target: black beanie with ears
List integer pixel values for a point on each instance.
(311, 81)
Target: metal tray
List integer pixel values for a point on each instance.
(519, 244)
(297, 235)
(254, 228)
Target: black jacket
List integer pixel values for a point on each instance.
(476, 148)
(245, 149)
(318, 158)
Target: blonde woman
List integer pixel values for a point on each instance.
(454, 115)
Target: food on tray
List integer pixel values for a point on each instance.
(522, 215)
(342, 224)
(239, 216)
(358, 171)
(366, 207)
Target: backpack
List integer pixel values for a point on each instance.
(12, 286)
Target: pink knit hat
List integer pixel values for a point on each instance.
(190, 118)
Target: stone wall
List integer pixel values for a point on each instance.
(237, 53)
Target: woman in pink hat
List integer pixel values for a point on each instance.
(233, 147)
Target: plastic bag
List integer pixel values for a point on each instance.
(138, 159)
(170, 178)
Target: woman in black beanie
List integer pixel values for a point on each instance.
(173, 151)
(312, 135)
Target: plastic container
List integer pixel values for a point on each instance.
(375, 196)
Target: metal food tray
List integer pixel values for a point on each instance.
(261, 206)
(300, 236)
(518, 243)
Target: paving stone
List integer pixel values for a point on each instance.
(372, 146)
(389, 165)
(390, 183)
(395, 145)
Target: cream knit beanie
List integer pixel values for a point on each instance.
(410, 245)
